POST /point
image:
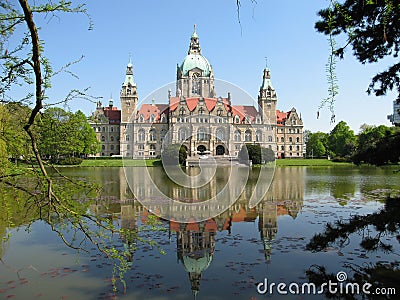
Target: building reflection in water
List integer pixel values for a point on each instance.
(196, 240)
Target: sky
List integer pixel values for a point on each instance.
(155, 34)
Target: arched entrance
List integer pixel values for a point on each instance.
(201, 149)
(220, 150)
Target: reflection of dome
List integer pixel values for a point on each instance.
(192, 61)
(197, 264)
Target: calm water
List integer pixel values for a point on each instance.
(221, 258)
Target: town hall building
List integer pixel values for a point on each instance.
(195, 117)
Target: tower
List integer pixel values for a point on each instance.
(128, 96)
(195, 77)
(267, 98)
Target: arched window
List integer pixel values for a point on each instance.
(152, 118)
(141, 118)
(112, 139)
(298, 148)
(201, 110)
(112, 147)
(182, 111)
(112, 129)
(141, 135)
(152, 135)
(237, 119)
(290, 139)
(269, 138)
(248, 135)
(219, 112)
(298, 140)
(163, 119)
(282, 139)
(220, 134)
(195, 84)
(237, 136)
(104, 129)
(103, 147)
(103, 138)
(152, 147)
(128, 147)
(201, 134)
(259, 136)
(182, 134)
(290, 148)
(282, 148)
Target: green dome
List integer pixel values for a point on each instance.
(197, 265)
(192, 61)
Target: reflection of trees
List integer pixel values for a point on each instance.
(376, 228)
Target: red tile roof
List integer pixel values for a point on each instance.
(281, 117)
(194, 101)
(152, 109)
(243, 111)
(113, 114)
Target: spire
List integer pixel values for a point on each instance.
(129, 73)
(267, 84)
(194, 47)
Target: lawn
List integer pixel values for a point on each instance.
(320, 162)
(119, 163)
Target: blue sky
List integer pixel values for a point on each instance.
(157, 35)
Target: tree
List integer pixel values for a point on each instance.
(256, 154)
(65, 134)
(174, 154)
(372, 29)
(341, 140)
(50, 193)
(316, 145)
(377, 145)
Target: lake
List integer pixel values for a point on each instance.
(225, 256)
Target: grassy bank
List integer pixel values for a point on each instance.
(309, 162)
(119, 163)
(157, 162)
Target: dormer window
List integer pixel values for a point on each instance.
(219, 112)
(182, 111)
(141, 118)
(201, 111)
(152, 118)
(237, 119)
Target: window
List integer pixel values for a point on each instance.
(282, 148)
(290, 148)
(127, 137)
(103, 138)
(248, 135)
(112, 139)
(219, 112)
(103, 147)
(128, 147)
(152, 135)
(237, 136)
(195, 84)
(141, 118)
(220, 134)
(163, 119)
(282, 139)
(141, 135)
(112, 147)
(201, 111)
(237, 119)
(152, 118)
(290, 139)
(182, 111)
(298, 148)
(269, 138)
(141, 147)
(104, 129)
(112, 129)
(182, 134)
(259, 136)
(298, 140)
(201, 134)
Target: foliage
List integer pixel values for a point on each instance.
(65, 134)
(70, 161)
(256, 154)
(341, 140)
(371, 28)
(174, 154)
(378, 145)
(317, 144)
(58, 200)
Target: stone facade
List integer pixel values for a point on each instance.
(202, 122)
